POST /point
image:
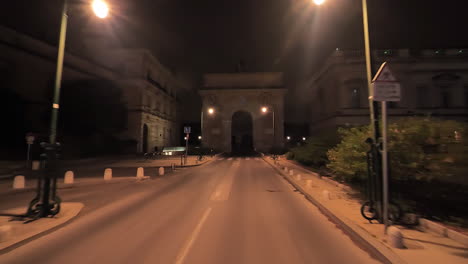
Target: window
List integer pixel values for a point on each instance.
(355, 97)
(445, 97)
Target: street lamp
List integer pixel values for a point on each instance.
(199, 137)
(211, 110)
(373, 111)
(40, 207)
(303, 139)
(288, 138)
(264, 110)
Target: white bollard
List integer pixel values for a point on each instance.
(140, 173)
(69, 177)
(161, 171)
(19, 182)
(286, 169)
(395, 238)
(5, 232)
(108, 174)
(298, 177)
(291, 172)
(326, 195)
(36, 165)
(309, 184)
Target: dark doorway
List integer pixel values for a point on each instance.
(144, 139)
(242, 133)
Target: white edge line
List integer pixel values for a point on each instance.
(181, 256)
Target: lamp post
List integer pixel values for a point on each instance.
(264, 110)
(374, 122)
(41, 206)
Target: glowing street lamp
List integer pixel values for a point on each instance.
(100, 8)
(211, 110)
(288, 138)
(199, 137)
(303, 139)
(264, 109)
(319, 2)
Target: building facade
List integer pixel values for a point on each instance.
(28, 65)
(243, 111)
(433, 82)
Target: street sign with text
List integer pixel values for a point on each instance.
(187, 130)
(385, 86)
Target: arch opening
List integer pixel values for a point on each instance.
(144, 139)
(242, 133)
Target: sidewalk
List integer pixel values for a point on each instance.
(337, 202)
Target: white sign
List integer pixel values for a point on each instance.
(187, 130)
(387, 91)
(385, 86)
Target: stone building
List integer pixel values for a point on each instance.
(242, 112)
(27, 66)
(433, 82)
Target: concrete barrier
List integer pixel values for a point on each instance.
(19, 182)
(36, 165)
(6, 231)
(161, 171)
(69, 177)
(395, 237)
(140, 173)
(326, 195)
(108, 174)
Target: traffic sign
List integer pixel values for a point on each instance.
(385, 86)
(30, 138)
(187, 130)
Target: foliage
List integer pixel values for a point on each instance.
(314, 151)
(419, 148)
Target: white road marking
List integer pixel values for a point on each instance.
(183, 253)
(223, 190)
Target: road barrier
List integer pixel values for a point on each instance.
(69, 177)
(140, 173)
(326, 195)
(5, 232)
(161, 171)
(395, 237)
(108, 174)
(298, 177)
(291, 172)
(19, 182)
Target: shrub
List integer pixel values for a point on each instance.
(314, 151)
(419, 148)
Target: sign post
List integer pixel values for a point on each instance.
(386, 88)
(187, 131)
(29, 140)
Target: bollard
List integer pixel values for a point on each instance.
(395, 238)
(173, 167)
(161, 171)
(69, 177)
(36, 165)
(309, 184)
(291, 172)
(19, 182)
(286, 169)
(298, 177)
(326, 195)
(108, 174)
(5, 232)
(140, 173)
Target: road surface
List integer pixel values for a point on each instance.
(232, 210)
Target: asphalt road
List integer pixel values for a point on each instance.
(227, 211)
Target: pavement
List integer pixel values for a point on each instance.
(230, 210)
(339, 202)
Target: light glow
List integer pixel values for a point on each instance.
(199, 137)
(210, 111)
(264, 109)
(288, 137)
(100, 8)
(319, 2)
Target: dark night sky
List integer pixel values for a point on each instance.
(294, 36)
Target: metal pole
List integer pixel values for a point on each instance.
(186, 148)
(385, 165)
(274, 128)
(27, 156)
(58, 76)
(201, 124)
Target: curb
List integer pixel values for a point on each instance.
(378, 250)
(441, 230)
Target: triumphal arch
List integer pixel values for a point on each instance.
(243, 112)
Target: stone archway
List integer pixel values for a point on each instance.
(242, 133)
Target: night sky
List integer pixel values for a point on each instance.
(294, 36)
